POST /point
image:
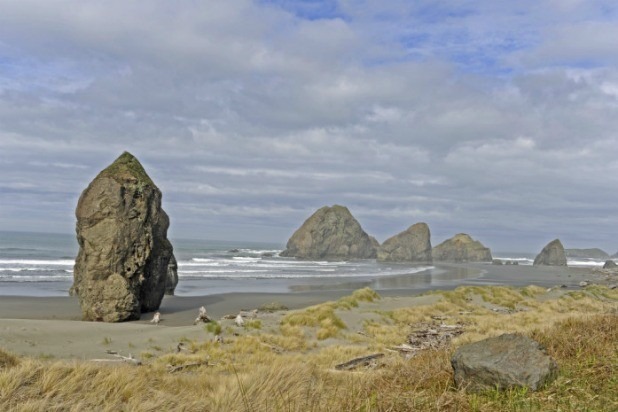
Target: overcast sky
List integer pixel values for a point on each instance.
(494, 118)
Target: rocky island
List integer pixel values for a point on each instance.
(411, 245)
(123, 264)
(331, 233)
(461, 248)
(552, 255)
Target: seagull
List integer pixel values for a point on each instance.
(156, 318)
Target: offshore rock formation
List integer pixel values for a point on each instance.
(609, 264)
(461, 248)
(121, 269)
(594, 253)
(552, 255)
(411, 245)
(331, 233)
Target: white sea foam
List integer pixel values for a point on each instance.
(59, 262)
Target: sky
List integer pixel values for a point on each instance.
(494, 118)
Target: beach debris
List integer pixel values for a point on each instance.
(156, 318)
(613, 286)
(176, 368)
(180, 347)
(584, 283)
(129, 359)
(428, 336)
(202, 316)
(218, 339)
(367, 361)
(239, 320)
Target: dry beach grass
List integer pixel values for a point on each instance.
(286, 361)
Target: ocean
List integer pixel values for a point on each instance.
(41, 264)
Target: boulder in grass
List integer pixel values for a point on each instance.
(503, 362)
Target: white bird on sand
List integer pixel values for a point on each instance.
(156, 318)
(239, 320)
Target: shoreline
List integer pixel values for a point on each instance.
(52, 326)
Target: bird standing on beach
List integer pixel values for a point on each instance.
(156, 318)
(239, 320)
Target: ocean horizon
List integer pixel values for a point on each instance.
(41, 264)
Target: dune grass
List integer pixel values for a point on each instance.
(287, 370)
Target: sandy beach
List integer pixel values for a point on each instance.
(51, 326)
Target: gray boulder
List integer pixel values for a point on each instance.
(411, 245)
(506, 361)
(121, 269)
(610, 264)
(461, 248)
(331, 233)
(172, 276)
(552, 255)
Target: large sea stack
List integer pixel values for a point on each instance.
(124, 255)
(331, 233)
(411, 245)
(461, 248)
(552, 255)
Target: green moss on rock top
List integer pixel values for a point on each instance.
(127, 166)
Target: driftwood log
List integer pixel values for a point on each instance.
(128, 359)
(358, 362)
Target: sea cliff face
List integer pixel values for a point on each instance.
(411, 245)
(122, 265)
(552, 255)
(461, 248)
(331, 233)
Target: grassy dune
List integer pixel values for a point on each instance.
(288, 364)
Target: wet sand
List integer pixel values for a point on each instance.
(51, 326)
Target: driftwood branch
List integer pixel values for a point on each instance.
(172, 369)
(358, 362)
(129, 359)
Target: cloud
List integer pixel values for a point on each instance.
(488, 117)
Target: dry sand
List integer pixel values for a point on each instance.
(51, 326)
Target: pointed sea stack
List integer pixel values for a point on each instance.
(411, 245)
(552, 255)
(461, 248)
(124, 255)
(331, 233)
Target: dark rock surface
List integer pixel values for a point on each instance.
(552, 255)
(610, 264)
(461, 248)
(587, 253)
(121, 269)
(506, 361)
(411, 245)
(331, 233)
(172, 276)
